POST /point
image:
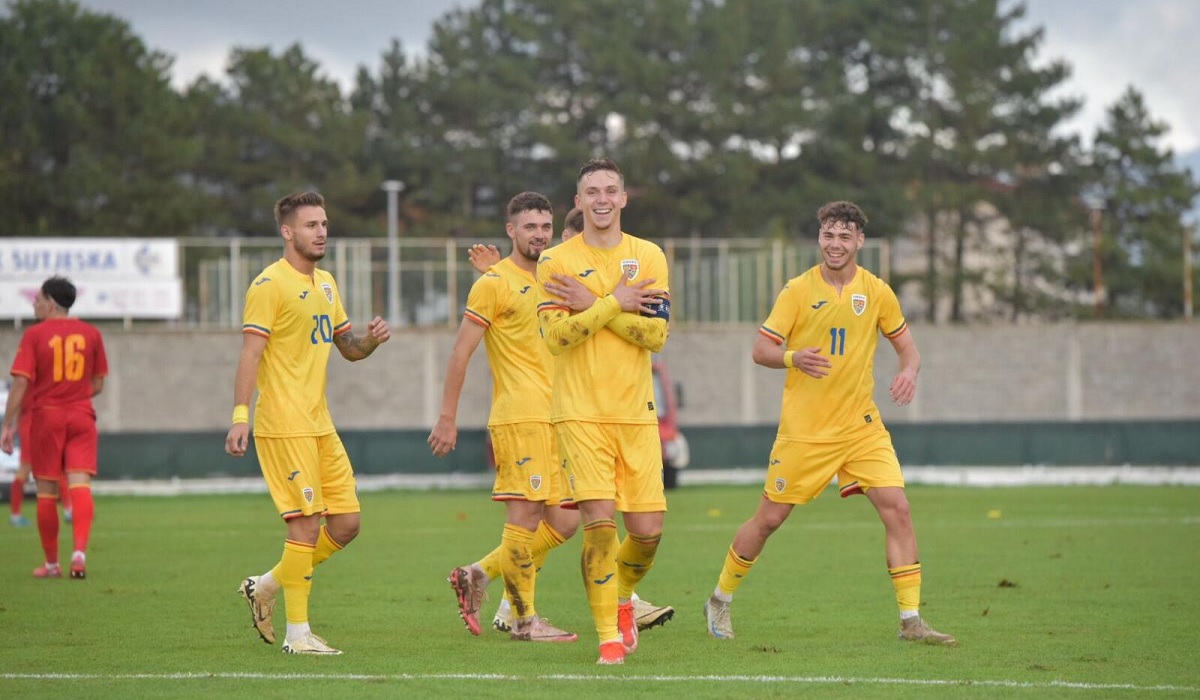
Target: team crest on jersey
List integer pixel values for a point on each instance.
(328, 289)
(780, 485)
(307, 492)
(858, 302)
(630, 268)
(535, 482)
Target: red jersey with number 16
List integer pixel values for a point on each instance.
(60, 356)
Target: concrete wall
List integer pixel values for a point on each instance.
(181, 380)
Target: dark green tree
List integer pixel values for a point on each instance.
(93, 140)
(1145, 198)
(277, 126)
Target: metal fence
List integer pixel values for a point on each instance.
(713, 281)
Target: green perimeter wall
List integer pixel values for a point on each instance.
(1158, 443)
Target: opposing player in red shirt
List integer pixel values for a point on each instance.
(60, 360)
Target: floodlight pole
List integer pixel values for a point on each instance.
(393, 189)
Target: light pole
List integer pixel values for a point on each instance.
(393, 189)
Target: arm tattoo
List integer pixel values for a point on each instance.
(354, 347)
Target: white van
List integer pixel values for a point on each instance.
(8, 463)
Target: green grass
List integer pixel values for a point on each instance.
(1101, 591)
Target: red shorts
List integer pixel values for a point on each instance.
(24, 428)
(63, 441)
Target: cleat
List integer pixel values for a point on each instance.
(502, 622)
(469, 588)
(18, 520)
(262, 606)
(309, 644)
(627, 626)
(914, 629)
(612, 654)
(48, 571)
(650, 615)
(716, 612)
(537, 629)
(78, 567)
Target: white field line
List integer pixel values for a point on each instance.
(942, 476)
(810, 680)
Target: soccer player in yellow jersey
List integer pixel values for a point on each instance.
(604, 308)
(293, 317)
(823, 331)
(562, 521)
(502, 312)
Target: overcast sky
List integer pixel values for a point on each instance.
(1151, 44)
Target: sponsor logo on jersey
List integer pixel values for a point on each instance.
(630, 267)
(522, 461)
(328, 289)
(304, 294)
(586, 272)
(858, 302)
(819, 304)
(307, 492)
(261, 280)
(535, 482)
(780, 485)
(293, 475)
(526, 288)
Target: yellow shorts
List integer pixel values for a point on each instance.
(799, 471)
(527, 464)
(614, 462)
(308, 475)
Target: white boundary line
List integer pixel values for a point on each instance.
(813, 680)
(941, 476)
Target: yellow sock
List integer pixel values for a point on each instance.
(735, 569)
(599, 569)
(294, 573)
(545, 539)
(634, 559)
(326, 547)
(491, 563)
(517, 567)
(907, 582)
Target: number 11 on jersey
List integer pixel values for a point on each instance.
(837, 341)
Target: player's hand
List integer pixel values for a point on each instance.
(238, 439)
(6, 440)
(483, 256)
(576, 296)
(811, 362)
(903, 388)
(637, 297)
(378, 330)
(443, 438)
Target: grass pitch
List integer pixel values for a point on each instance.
(1074, 592)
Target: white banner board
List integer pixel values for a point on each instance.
(114, 277)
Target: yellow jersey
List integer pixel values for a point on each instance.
(809, 312)
(605, 378)
(299, 316)
(504, 302)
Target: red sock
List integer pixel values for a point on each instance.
(17, 494)
(64, 493)
(83, 508)
(47, 519)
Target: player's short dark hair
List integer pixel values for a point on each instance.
(844, 212)
(574, 220)
(288, 205)
(529, 201)
(60, 290)
(598, 164)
